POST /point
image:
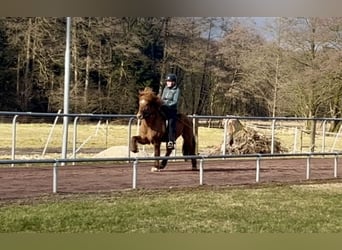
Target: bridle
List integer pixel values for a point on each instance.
(146, 112)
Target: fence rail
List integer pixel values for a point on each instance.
(268, 122)
(202, 158)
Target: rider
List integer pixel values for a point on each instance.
(170, 97)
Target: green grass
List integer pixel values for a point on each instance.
(270, 209)
(273, 209)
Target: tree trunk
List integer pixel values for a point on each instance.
(86, 83)
(163, 63)
(275, 91)
(25, 92)
(74, 91)
(205, 85)
(313, 136)
(18, 75)
(99, 68)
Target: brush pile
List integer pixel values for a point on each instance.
(243, 140)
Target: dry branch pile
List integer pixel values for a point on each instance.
(242, 140)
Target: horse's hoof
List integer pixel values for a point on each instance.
(154, 169)
(135, 150)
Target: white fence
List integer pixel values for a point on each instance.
(299, 139)
(260, 121)
(201, 158)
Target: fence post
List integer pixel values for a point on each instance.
(195, 131)
(107, 129)
(55, 178)
(257, 175)
(14, 137)
(323, 139)
(74, 140)
(313, 136)
(273, 135)
(201, 171)
(134, 181)
(308, 167)
(225, 136)
(335, 165)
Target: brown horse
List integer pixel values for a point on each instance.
(153, 128)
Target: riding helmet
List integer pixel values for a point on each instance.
(171, 77)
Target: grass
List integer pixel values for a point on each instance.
(270, 209)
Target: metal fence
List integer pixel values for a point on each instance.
(15, 115)
(200, 121)
(202, 159)
(317, 139)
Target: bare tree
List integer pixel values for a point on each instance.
(307, 39)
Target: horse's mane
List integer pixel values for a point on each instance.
(150, 96)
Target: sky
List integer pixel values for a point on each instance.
(261, 25)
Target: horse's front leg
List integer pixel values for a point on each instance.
(134, 146)
(156, 154)
(134, 143)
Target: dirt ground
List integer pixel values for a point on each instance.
(20, 182)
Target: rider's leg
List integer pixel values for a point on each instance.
(172, 128)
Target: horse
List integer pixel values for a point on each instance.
(153, 129)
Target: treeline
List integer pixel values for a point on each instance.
(224, 65)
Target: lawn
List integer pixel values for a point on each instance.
(314, 208)
(262, 209)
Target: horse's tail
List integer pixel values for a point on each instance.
(189, 147)
(189, 142)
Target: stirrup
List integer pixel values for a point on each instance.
(170, 145)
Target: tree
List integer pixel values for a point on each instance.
(240, 56)
(7, 72)
(224, 66)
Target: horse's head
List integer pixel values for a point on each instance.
(149, 104)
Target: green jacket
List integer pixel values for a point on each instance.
(170, 97)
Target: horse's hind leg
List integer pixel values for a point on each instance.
(164, 162)
(194, 164)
